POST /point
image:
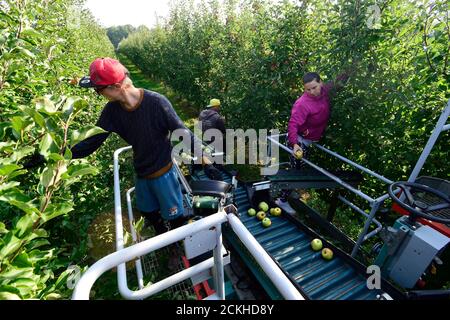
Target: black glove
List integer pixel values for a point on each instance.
(212, 172)
(34, 161)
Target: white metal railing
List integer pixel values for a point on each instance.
(118, 258)
(134, 252)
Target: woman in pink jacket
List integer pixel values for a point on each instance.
(309, 119)
(311, 112)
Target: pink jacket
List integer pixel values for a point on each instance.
(309, 116)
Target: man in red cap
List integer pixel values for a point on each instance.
(145, 120)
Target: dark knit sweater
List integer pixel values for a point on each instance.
(147, 129)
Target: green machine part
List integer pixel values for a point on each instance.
(205, 202)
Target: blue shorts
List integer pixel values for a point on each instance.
(163, 194)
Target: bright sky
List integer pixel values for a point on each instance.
(121, 12)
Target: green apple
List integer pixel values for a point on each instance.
(266, 222)
(327, 254)
(251, 212)
(316, 244)
(271, 211)
(261, 215)
(299, 154)
(276, 212)
(264, 206)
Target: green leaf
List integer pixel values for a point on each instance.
(73, 104)
(17, 173)
(22, 261)
(25, 224)
(52, 174)
(36, 116)
(68, 154)
(8, 17)
(17, 123)
(3, 229)
(81, 170)
(127, 239)
(18, 199)
(56, 210)
(46, 144)
(21, 153)
(45, 105)
(31, 34)
(25, 286)
(13, 273)
(37, 256)
(56, 157)
(4, 295)
(85, 133)
(7, 169)
(6, 145)
(139, 225)
(3, 127)
(34, 244)
(47, 176)
(52, 296)
(36, 234)
(12, 244)
(25, 52)
(9, 185)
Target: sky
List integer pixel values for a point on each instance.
(121, 12)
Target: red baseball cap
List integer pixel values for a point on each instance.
(104, 72)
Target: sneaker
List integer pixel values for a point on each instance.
(283, 204)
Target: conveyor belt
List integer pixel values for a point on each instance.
(289, 246)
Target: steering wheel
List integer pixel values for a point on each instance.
(418, 208)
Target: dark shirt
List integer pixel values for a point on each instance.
(147, 129)
(211, 119)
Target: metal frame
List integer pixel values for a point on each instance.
(120, 257)
(134, 252)
(375, 204)
(282, 283)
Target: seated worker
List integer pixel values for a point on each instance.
(309, 119)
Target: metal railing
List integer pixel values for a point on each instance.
(134, 252)
(375, 203)
(118, 258)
